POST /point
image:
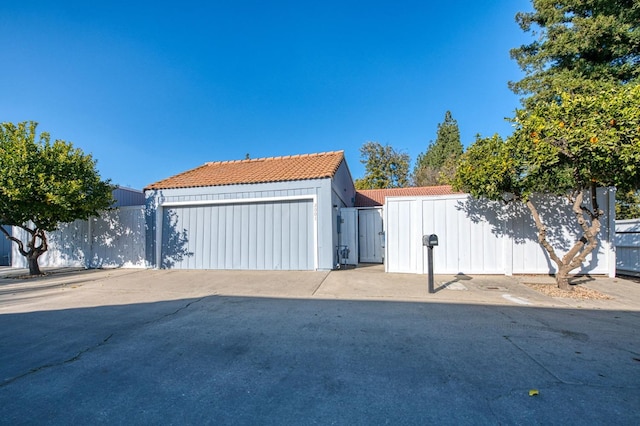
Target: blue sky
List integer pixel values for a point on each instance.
(151, 89)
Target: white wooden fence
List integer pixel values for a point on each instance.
(475, 237)
(115, 239)
(482, 237)
(628, 247)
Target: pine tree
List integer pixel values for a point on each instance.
(436, 166)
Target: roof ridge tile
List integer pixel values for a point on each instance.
(281, 157)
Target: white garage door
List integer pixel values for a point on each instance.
(263, 236)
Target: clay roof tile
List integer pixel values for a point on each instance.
(258, 170)
(375, 197)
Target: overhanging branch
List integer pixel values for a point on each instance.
(542, 233)
(588, 242)
(16, 240)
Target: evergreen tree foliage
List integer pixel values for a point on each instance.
(577, 40)
(436, 166)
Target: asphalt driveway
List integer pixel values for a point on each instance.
(346, 347)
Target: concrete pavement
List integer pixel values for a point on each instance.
(367, 282)
(342, 347)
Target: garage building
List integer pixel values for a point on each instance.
(277, 213)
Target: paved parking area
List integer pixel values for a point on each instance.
(343, 347)
(76, 287)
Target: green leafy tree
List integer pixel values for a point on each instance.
(384, 167)
(628, 205)
(580, 125)
(437, 165)
(45, 183)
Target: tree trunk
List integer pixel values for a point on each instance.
(34, 250)
(562, 279)
(34, 268)
(562, 276)
(583, 247)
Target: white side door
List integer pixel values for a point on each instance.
(349, 235)
(371, 236)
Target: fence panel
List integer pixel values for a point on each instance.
(485, 237)
(628, 247)
(115, 239)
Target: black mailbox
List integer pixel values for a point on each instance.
(430, 240)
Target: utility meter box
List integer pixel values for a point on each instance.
(430, 240)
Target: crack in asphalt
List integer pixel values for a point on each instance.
(541, 365)
(104, 341)
(182, 308)
(56, 364)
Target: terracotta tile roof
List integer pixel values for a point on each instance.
(259, 170)
(375, 197)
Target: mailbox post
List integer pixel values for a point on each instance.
(430, 241)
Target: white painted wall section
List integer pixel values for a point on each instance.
(482, 237)
(628, 247)
(115, 239)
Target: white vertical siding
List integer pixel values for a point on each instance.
(401, 231)
(371, 235)
(480, 237)
(628, 247)
(349, 233)
(275, 248)
(115, 239)
(464, 245)
(529, 257)
(270, 235)
(68, 246)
